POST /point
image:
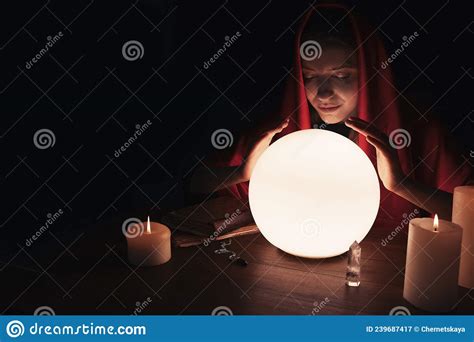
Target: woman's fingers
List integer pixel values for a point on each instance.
(280, 127)
(284, 124)
(379, 145)
(366, 129)
(270, 133)
(363, 127)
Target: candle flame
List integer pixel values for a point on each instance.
(435, 223)
(148, 230)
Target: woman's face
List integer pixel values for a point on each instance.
(331, 83)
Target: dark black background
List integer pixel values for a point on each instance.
(94, 107)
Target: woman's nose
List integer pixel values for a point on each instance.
(325, 91)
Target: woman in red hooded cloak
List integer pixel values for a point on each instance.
(339, 81)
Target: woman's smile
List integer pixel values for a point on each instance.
(328, 108)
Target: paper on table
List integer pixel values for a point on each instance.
(193, 225)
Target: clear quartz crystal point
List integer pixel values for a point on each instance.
(353, 265)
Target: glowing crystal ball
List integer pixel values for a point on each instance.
(313, 193)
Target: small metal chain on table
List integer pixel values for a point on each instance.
(233, 256)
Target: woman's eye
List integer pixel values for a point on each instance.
(342, 76)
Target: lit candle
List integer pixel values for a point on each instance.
(463, 214)
(149, 248)
(432, 264)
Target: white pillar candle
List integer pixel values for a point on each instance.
(463, 215)
(432, 264)
(150, 248)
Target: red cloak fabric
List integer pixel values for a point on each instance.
(432, 158)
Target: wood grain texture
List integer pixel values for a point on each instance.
(95, 278)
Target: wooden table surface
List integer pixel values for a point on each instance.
(89, 274)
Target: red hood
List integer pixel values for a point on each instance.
(377, 104)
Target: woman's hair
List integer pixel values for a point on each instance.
(329, 26)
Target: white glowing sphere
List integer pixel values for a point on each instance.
(313, 193)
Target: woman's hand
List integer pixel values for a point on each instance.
(388, 165)
(258, 146)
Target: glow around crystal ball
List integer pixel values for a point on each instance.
(313, 193)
